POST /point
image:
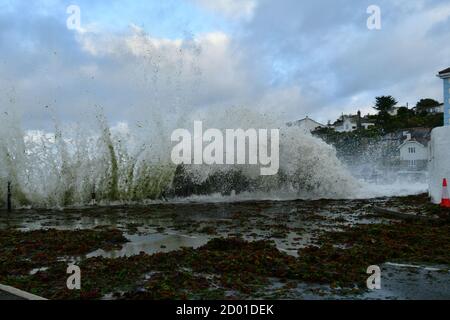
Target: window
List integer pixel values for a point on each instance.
(412, 163)
(412, 150)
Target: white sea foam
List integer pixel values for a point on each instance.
(132, 164)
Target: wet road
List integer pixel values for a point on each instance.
(290, 224)
(7, 296)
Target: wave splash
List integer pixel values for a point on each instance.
(74, 165)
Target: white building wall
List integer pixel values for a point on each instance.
(421, 152)
(347, 126)
(439, 109)
(394, 111)
(367, 125)
(439, 161)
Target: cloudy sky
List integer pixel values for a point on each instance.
(289, 58)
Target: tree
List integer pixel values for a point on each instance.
(424, 104)
(385, 104)
(404, 112)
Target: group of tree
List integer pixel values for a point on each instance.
(360, 141)
(405, 117)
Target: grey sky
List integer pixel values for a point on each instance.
(290, 58)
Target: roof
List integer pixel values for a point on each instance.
(305, 119)
(420, 135)
(340, 121)
(411, 141)
(444, 73)
(353, 119)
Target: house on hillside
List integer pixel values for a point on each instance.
(413, 156)
(307, 124)
(436, 109)
(394, 111)
(431, 109)
(350, 123)
(408, 148)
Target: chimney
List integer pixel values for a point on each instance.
(407, 135)
(358, 121)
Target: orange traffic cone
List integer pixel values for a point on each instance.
(445, 203)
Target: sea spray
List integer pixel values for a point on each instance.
(12, 156)
(62, 168)
(112, 175)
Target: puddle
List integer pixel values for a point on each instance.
(34, 271)
(291, 225)
(411, 282)
(398, 282)
(151, 244)
(170, 226)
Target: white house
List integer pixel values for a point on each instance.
(394, 111)
(436, 109)
(306, 124)
(350, 124)
(413, 155)
(367, 125)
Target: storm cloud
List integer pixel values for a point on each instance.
(289, 58)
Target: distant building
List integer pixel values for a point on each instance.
(394, 111)
(413, 155)
(346, 124)
(436, 109)
(445, 75)
(422, 135)
(430, 110)
(409, 147)
(350, 123)
(306, 124)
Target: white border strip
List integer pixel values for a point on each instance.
(20, 293)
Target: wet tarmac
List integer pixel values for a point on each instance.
(292, 225)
